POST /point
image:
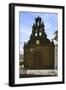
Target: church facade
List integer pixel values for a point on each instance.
(39, 50)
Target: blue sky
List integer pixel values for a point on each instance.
(26, 20)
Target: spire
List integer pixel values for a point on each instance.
(43, 24)
(38, 21)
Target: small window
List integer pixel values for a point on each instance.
(35, 34)
(37, 41)
(39, 33)
(38, 23)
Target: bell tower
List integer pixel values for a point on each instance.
(38, 28)
(38, 35)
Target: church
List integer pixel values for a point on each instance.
(39, 50)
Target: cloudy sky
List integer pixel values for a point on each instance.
(26, 20)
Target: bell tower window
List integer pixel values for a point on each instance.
(39, 33)
(37, 23)
(35, 34)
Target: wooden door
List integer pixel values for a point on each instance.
(37, 60)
